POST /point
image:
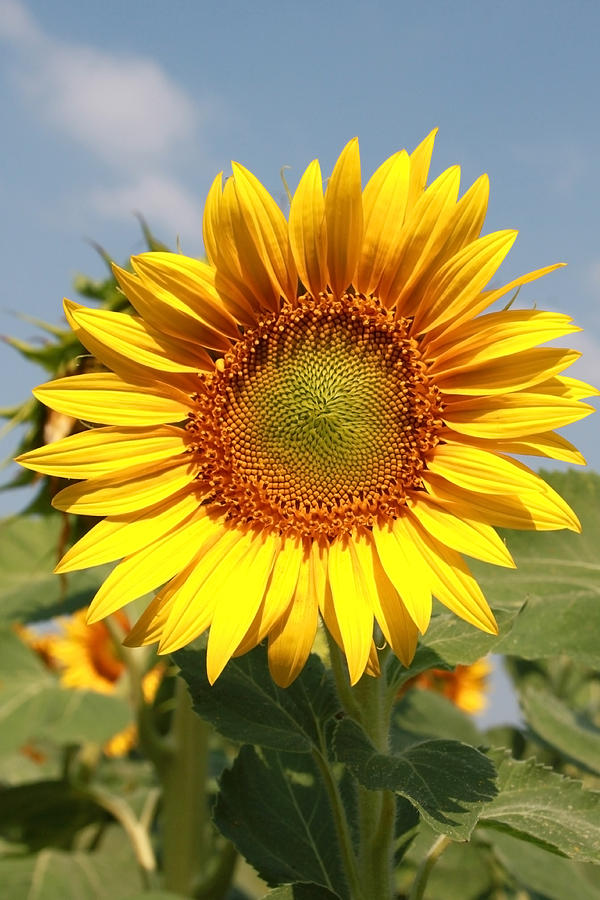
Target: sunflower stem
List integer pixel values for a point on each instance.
(377, 809)
(435, 851)
(369, 702)
(185, 811)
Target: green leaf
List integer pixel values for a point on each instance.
(275, 809)
(449, 642)
(299, 892)
(554, 877)
(246, 705)
(448, 782)
(29, 549)
(557, 573)
(34, 706)
(46, 813)
(573, 736)
(110, 871)
(462, 872)
(422, 714)
(541, 806)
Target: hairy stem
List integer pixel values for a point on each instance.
(435, 851)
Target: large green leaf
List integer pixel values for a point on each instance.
(111, 871)
(448, 782)
(552, 876)
(246, 705)
(423, 714)
(558, 574)
(541, 806)
(46, 813)
(275, 809)
(30, 547)
(574, 736)
(33, 705)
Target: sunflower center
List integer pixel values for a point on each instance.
(320, 419)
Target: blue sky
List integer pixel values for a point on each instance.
(115, 107)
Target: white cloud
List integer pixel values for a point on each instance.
(159, 198)
(124, 110)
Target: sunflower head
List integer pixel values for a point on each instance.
(318, 421)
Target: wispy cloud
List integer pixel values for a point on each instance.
(124, 110)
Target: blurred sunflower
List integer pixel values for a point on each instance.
(315, 421)
(465, 686)
(87, 657)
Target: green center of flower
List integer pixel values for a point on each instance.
(323, 415)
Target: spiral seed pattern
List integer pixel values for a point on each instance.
(319, 420)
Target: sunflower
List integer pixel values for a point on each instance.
(88, 658)
(465, 686)
(317, 421)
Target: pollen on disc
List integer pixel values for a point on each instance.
(319, 419)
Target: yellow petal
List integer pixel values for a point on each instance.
(149, 626)
(104, 397)
(544, 510)
(486, 298)
(496, 335)
(420, 160)
(349, 587)
(125, 491)
(513, 415)
(397, 626)
(268, 227)
(307, 230)
(278, 593)
(384, 204)
(461, 225)
(547, 444)
(572, 388)
(239, 586)
(510, 373)
(424, 230)
(255, 272)
(219, 241)
(468, 536)
(404, 568)
(450, 578)
(190, 286)
(192, 604)
(124, 343)
(165, 313)
(291, 639)
(344, 218)
(150, 567)
(119, 536)
(458, 283)
(480, 470)
(100, 451)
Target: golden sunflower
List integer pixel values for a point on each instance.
(316, 421)
(87, 658)
(465, 686)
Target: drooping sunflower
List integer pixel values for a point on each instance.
(317, 421)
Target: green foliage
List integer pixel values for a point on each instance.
(448, 782)
(291, 836)
(572, 736)
(539, 805)
(245, 704)
(33, 705)
(30, 547)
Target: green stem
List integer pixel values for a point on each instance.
(341, 825)
(370, 703)
(435, 851)
(185, 824)
(135, 831)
